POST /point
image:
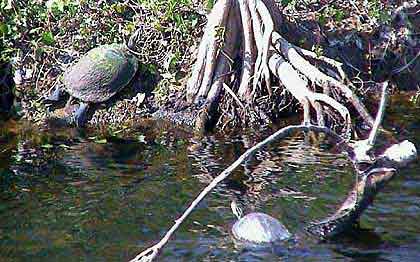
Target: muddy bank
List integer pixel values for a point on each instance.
(44, 39)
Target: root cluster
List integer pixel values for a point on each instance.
(242, 56)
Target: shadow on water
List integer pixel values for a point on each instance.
(71, 195)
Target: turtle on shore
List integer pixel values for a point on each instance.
(96, 77)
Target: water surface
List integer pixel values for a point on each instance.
(71, 195)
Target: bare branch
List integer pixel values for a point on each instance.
(379, 116)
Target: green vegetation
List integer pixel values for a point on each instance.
(41, 27)
(43, 38)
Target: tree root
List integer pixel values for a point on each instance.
(223, 67)
(261, 53)
(208, 51)
(249, 46)
(298, 87)
(316, 76)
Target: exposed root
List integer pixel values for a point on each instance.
(223, 66)
(197, 73)
(316, 76)
(298, 87)
(249, 47)
(261, 53)
(261, 68)
(319, 114)
(208, 51)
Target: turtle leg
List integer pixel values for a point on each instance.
(55, 96)
(80, 116)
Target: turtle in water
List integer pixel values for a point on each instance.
(96, 77)
(257, 228)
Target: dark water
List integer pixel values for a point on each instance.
(68, 195)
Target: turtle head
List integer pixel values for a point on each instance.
(236, 210)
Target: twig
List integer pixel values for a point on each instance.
(362, 147)
(229, 90)
(39, 76)
(379, 116)
(152, 252)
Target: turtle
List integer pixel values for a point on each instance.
(96, 77)
(258, 228)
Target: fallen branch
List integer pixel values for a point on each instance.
(379, 116)
(368, 184)
(366, 187)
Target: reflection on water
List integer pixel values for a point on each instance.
(70, 195)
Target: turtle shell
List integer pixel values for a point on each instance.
(100, 73)
(259, 228)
